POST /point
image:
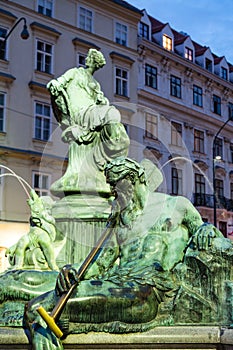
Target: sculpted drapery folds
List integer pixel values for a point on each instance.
(91, 127)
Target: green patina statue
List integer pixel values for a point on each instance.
(162, 264)
(140, 270)
(91, 127)
(35, 250)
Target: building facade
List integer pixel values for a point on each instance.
(173, 94)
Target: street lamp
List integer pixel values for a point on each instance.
(214, 157)
(24, 34)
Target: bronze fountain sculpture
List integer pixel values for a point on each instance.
(156, 262)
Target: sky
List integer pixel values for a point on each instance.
(208, 22)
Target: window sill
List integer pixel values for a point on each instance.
(197, 105)
(176, 97)
(4, 61)
(122, 96)
(42, 77)
(40, 144)
(43, 74)
(151, 139)
(2, 135)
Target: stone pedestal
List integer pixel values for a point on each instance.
(81, 219)
(179, 338)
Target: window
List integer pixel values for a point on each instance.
(45, 7)
(44, 57)
(175, 86)
(198, 141)
(3, 33)
(151, 76)
(230, 110)
(197, 95)
(219, 187)
(41, 183)
(199, 184)
(121, 34)
(85, 19)
(199, 190)
(218, 148)
(144, 30)
(2, 111)
(223, 228)
(42, 121)
(151, 126)
(231, 153)
(217, 104)
(177, 181)
(121, 79)
(188, 54)
(167, 42)
(224, 73)
(81, 60)
(231, 190)
(176, 134)
(208, 65)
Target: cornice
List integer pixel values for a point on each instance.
(44, 28)
(151, 48)
(7, 78)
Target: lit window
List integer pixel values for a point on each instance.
(175, 85)
(198, 141)
(177, 187)
(176, 134)
(44, 57)
(197, 95)
(121, 34)
(144, 30)
(2, 111)
(42, 121)
(151, 76)
(85, 19)
(121, 79)
(188, 54)
(45, 7)
(151, 126)
(224, 73)
(217, 104)
(167, 42)
(41, 183)
(3, 33)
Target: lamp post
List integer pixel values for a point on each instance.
(24, 34)
(213, 159)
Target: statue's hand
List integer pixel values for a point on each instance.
(65, 279)
(203, 237)
(53, 86)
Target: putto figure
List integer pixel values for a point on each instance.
(91, 127)
(35, 250)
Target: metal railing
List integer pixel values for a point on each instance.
(207, 200)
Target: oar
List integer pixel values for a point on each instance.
(51, 318)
